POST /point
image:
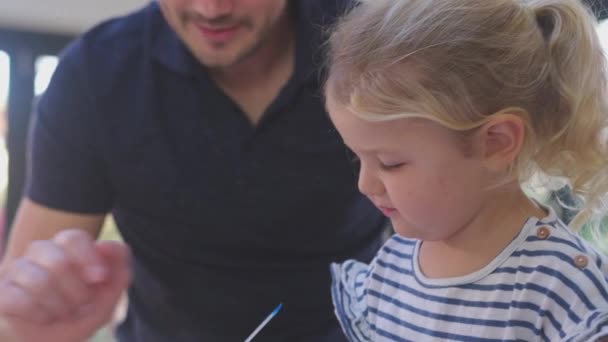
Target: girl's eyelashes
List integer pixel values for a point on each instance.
(391, 166)
(386, 166)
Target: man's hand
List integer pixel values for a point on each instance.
(62, 290)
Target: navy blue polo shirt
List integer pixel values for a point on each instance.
(225, 220)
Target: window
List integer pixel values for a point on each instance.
(4, 87)
(4, 79)
(45, 67)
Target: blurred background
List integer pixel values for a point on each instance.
(32, 35)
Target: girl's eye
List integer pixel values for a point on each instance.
(389, 167)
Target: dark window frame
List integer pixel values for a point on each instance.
(23, 48)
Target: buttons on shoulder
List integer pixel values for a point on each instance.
(581, 261)
(543, 233)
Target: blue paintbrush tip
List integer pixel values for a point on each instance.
(277, 309)
(270, 316)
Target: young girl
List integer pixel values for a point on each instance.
(449, 106)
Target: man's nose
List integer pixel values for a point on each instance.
(212, 9)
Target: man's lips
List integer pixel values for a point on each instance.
(218, 34)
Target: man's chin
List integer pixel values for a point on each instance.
(217, 61)
(226, 58)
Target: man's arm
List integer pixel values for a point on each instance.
(36, 222)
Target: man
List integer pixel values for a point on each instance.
(199, 124)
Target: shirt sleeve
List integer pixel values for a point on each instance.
(65, 167)
(349, 297)
(590, 329)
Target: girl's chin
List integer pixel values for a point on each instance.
(408, 232)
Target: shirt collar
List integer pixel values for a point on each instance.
(168, 49)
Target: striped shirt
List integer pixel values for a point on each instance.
(546, 285)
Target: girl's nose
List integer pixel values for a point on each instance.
(369, 183)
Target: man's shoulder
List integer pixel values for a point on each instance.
(115, 41)
(116, 31)
(103, 59)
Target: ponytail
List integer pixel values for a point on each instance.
(578, 148)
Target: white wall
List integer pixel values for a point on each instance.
(61, 16)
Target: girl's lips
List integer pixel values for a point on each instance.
(387, 211)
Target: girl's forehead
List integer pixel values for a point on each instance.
(353, 126)
(390, 135)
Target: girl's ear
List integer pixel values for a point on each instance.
(500, 140)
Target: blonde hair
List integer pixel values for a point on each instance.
(458, 62)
